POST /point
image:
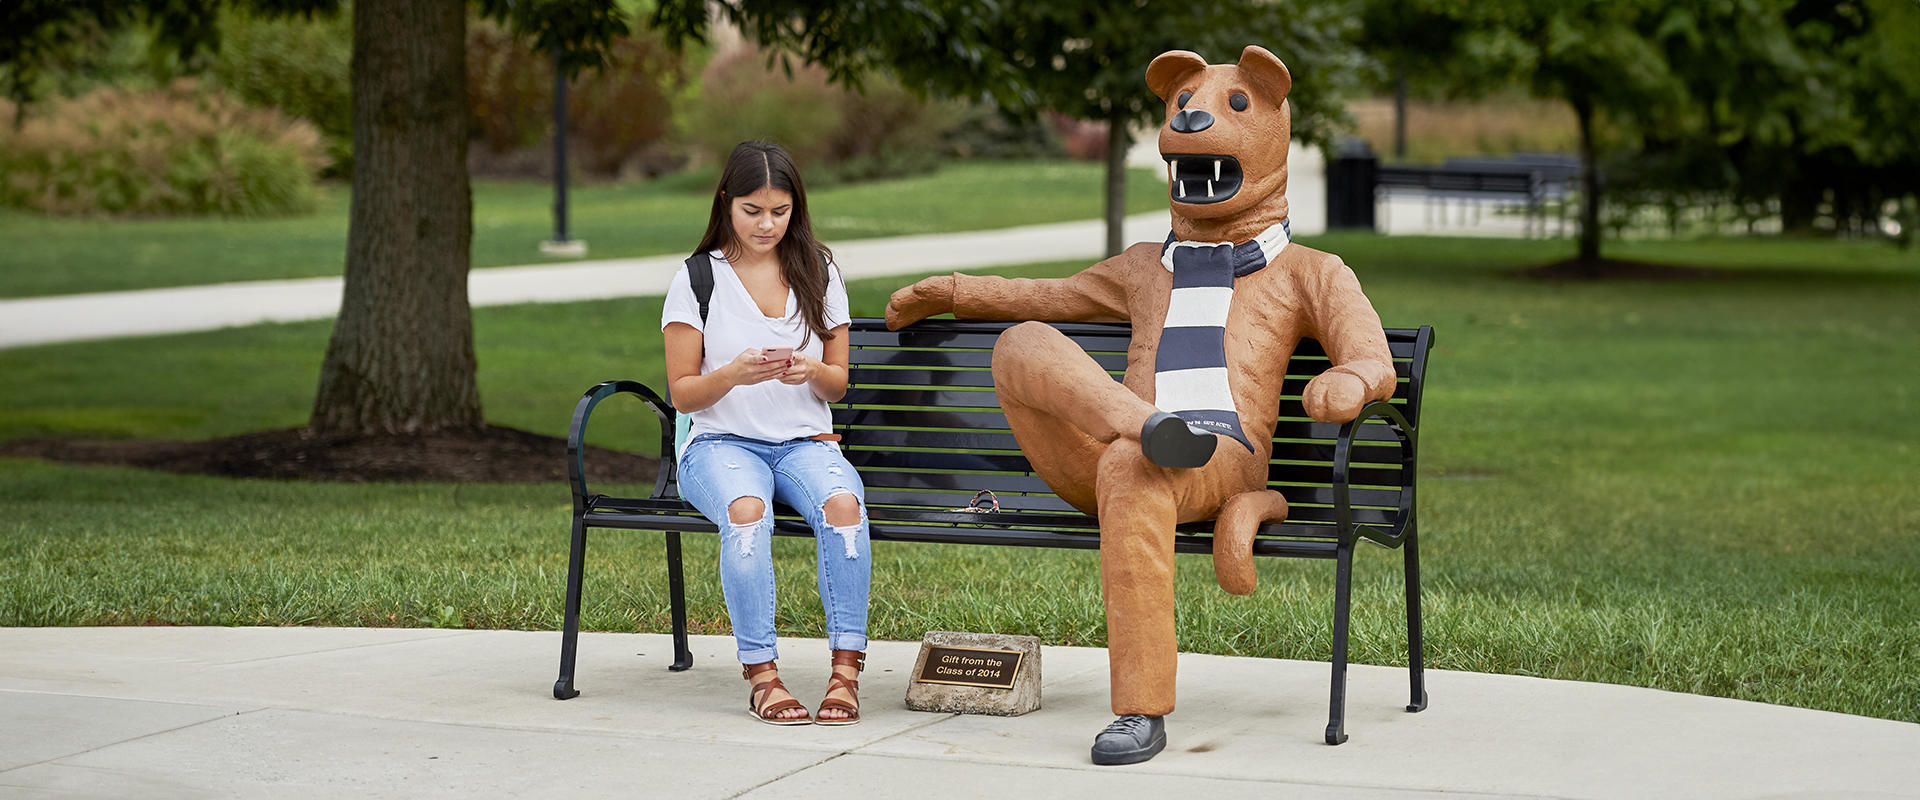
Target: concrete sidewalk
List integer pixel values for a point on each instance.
(299, 713)
(109, 315)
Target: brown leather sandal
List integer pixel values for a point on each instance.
(770, 714)
(835, 680)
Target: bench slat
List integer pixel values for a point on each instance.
(999, 452)
(1324, 434)
(1001, 441)
(1306, 505)
(917, 418)
(889, 459)
(885, 360)
(864, 376)
(1023, 491)
(861, 424)
(932, 339)
(1370, 431)
(1191, 538)
(954, 398)
(920, 378)
(970, 482)
(961, 499)
(1323, 495)
(963, 359)
(1323, 451)
(1092, 336)
(1000, 519)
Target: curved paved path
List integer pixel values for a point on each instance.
(108, 315)
(329, 712)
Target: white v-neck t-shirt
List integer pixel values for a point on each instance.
(770, 411)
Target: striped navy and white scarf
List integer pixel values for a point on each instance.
(1190, 379)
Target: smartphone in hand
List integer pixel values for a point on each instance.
(776, 353)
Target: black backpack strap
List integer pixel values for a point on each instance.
(700, 276)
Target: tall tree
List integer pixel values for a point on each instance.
(1083, 58)
(401, 356)
(1597, 55)
(1787, 103)
(1412, 38)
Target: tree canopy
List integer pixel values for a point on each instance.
(1789, 105)
(400, 360)
(1083, 58)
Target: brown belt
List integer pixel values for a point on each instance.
(825, 437)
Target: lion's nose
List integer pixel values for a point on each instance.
(1191, 120)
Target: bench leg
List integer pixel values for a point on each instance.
(677, 594)
(1416, 650)
(570, 634)
(1342, 600)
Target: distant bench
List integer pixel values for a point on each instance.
(1530, 182)
(924, 429)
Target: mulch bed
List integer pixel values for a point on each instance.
(489, 455)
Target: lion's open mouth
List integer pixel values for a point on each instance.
(1201, 179)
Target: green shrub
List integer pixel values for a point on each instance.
(509, 91)
(741, 99)
(887, 131)
(298, 66)
(616, 116)
(178, 151)
(881, 130)
(985, 131)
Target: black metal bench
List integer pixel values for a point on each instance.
(1530, 185)
(925, 431)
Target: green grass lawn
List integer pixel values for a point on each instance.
(49, 256)
(1705, 486)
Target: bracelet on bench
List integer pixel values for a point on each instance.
(992, 503)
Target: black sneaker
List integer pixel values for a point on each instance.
(1131, 739)
(1170, 442)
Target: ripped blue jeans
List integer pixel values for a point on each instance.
(718, 469)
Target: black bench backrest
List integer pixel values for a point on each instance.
(925, 430)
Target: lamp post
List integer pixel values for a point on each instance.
(560, 245)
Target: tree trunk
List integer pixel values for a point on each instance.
(1589, 184)
(1119, 139)
(1801, 194)
(401, 358)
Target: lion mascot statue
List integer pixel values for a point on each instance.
(1216, 311)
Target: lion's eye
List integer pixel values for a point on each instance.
(1184, 97)
(1238, 101)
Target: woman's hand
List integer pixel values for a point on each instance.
(799, 370)
(750, 368)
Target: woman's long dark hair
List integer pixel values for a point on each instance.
(803, 259)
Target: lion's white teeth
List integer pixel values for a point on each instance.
(1209, 188)
(1182, 187)
(1216, 172)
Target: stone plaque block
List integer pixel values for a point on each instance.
(975, 673)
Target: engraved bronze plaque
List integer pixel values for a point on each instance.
(971, 666)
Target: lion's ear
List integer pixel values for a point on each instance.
(1264, 70)
(1170, 68)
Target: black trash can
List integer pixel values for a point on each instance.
(1351, 174)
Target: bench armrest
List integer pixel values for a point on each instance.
(577, 436)
(1342, 456)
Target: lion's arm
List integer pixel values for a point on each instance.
(1095, 293)
(1349, 329)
